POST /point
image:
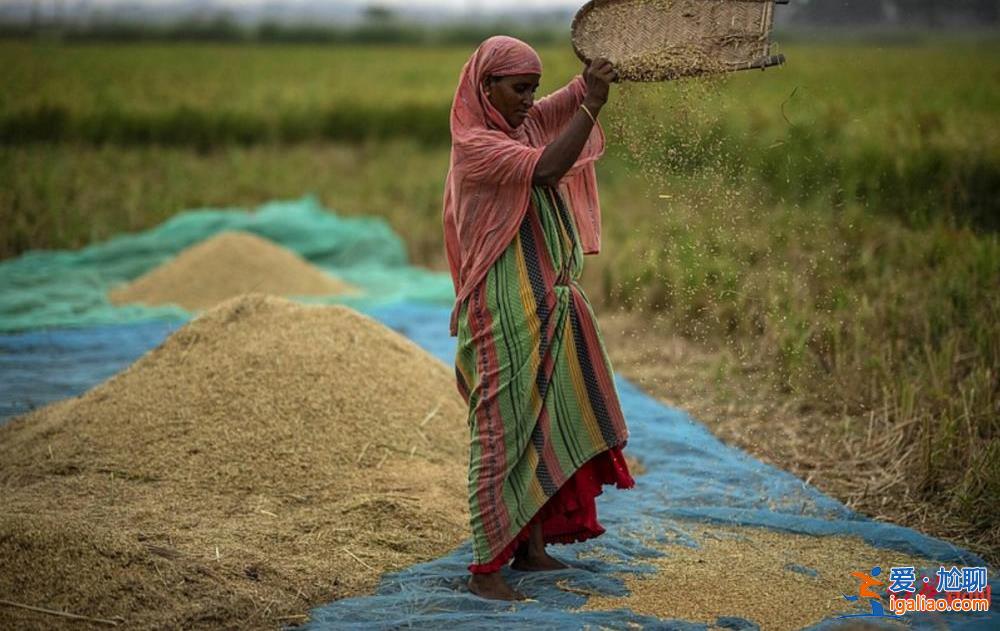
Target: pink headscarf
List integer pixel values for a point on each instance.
(488, 188)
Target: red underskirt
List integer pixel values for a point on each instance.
(571, 514)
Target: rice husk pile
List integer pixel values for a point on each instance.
(227, 265)
(268, 457)
(755, 573)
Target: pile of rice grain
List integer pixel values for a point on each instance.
(266, 458)
(227, 265)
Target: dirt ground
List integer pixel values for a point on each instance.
(742, 408)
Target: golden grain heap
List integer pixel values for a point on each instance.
(266, 458)
(224, 266)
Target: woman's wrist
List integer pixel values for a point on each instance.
(592, 104)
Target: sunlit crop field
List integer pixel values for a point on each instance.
(868, 86)
(905, 129)
(833, 222)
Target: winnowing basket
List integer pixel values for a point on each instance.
(658, 40)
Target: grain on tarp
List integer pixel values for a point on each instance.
(227, 265)
(266, 458)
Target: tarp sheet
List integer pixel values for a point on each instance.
(690, 475)
(69, 288)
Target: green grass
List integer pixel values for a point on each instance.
(832, 222)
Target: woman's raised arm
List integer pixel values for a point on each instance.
(563, 152)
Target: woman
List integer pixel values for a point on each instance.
(520, 211)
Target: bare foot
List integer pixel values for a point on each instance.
(493, 586)
(526, 561)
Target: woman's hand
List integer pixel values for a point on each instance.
(598, 75)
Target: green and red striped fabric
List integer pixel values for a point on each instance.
(532, 366)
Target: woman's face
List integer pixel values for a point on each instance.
(512, 95)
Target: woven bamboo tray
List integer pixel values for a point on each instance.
(658, 40)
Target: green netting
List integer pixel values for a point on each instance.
(69, 288)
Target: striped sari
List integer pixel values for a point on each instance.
(546, 426)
